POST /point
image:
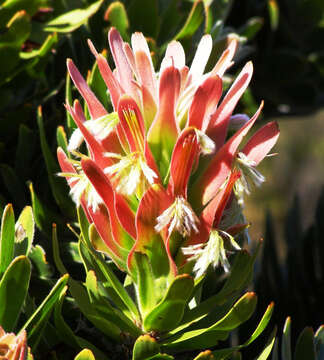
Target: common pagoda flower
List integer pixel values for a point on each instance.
(162, 169)
(12, 346)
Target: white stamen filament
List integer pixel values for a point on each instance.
(130, 173)
(211, 253)
(248, 172)
(179, 216)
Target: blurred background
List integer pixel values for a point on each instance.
(285, 41)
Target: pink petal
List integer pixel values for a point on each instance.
(124, 71)
(204, 102)
(217, 128)
(225, 61)
(174, 55)
(213, 212)
(95, 107)
(103, 187)
(112, 84)
(146, 72)
(220, 166)
(262, 142)
(201, 57)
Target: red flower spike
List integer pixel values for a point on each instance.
(204, 102)
(185, 154)
(112, 84)
(132, 123)
(95, 107)
(220, 166)
(217, 128)
(262, 142)
(102, 185)
(148, 241)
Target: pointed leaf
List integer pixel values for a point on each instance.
(35, 325)
(195, 18)
(305, 347)
(286, 341)
(71, 20)
(7, 238)
(13, 290)
(24, 232)
(169, 312)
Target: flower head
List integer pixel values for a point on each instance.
(13, 346)
(142, 178)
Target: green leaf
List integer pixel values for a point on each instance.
(58, 185)
(68, 336)
(61, 139)
(44, 50)
(44, 217)
(145, 283)
(267, 350)
(116, 286)
(41, 266)
(305, 347)
(7, 238)
(194, 20)
(238, 278)
(24, 232)
(273, 10)
(36, 324)
(205, 355)
(105, 310)
(223, 353)
(117, 16)
(71, 20)
(285, 341)
(169, 312)
(252, 27)
(319, 342)
(56, 252)
(18, 29)
(13, 290)
(85, 355)
(206, 337)
(145, 347)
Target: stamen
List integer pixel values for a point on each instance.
(131, 173)
(179, 216)
(82, 187)
(248, 172)
(211, 253)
